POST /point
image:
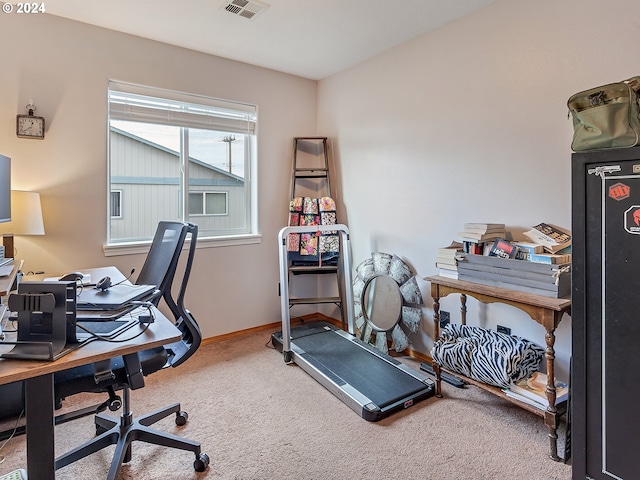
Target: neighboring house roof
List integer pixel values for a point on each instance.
(157, 146)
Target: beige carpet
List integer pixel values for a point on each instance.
(258, 418)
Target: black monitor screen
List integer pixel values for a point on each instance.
(5, 189)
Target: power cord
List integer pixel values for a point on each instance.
(15, 429)
(10, 320)
(269, 343)
(137, 304)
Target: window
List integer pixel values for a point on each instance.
(176, 156)
(116, 203)
(208, 203)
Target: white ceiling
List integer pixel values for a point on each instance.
(308, 38)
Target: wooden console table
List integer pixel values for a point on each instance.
(544, 310)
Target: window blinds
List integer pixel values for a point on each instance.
(149, 105)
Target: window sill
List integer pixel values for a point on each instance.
(132, 248)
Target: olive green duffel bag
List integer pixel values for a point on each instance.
(606, 117)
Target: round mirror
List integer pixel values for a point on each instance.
(382, 303)
(386, 301)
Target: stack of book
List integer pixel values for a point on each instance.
(529, 251)
(446, 261)
(533, 391)
(476, 235)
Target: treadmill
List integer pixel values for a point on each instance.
(372, 383)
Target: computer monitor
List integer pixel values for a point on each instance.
(5, 189)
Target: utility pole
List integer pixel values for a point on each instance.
(229, 139)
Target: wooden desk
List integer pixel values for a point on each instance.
(544, 310)
(39, 396)
(6, 283)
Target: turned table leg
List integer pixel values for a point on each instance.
(463, 308)
(436, 335)
(551, 415)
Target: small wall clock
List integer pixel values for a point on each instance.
(30, 126)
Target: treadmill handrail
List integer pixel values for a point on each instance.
(345, 262)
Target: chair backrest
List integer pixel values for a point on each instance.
(160, 265)
(160, 269)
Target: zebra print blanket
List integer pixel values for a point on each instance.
(485, 355)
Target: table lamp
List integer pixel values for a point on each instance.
(26, 219)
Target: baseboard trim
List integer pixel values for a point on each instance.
(269, 326)
(276, 326)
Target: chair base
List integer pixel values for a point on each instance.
(123, 433)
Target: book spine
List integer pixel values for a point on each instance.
(447, 253)
(529, 248)
(474, 248)
(548, 259)
(525, 251)
(449, 260)
(446, 266)
(443, 272)
(486, 226)
(537, 258)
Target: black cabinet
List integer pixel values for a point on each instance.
(606, 314)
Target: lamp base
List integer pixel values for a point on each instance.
(7, 241)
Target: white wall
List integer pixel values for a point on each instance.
(64, 67)
(469, 124)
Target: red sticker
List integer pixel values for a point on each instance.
(619, 191)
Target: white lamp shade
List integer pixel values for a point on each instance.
(26, 214)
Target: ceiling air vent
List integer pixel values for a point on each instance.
(245, 8)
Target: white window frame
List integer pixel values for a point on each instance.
(187, 110)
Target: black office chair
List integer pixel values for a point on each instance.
(127, 373)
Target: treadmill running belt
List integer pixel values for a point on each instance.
(375, 378)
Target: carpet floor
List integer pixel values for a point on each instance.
(258, 418)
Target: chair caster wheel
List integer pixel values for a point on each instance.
(201, 463)
(115, 404)
(181, 418)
